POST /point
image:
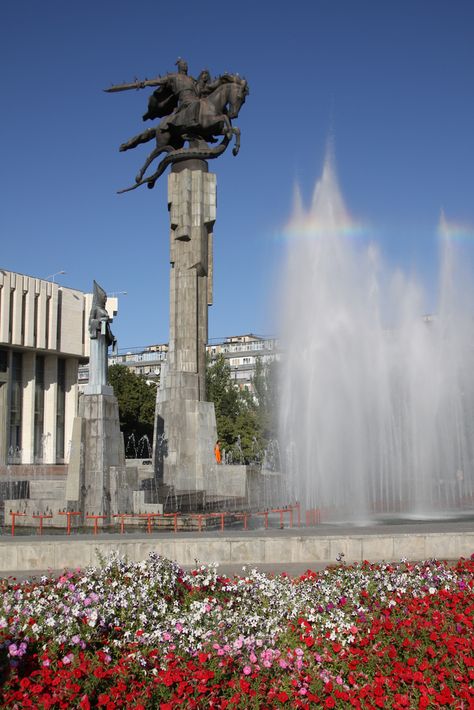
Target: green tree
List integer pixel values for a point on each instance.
(265, 384)
(245, 422)
(226, 398)
(136, 400)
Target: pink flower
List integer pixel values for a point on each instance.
(247, 670)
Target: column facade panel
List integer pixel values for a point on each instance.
(28, 409)
(71, 402)
(50, 408)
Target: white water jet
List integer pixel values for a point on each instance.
(378, 401)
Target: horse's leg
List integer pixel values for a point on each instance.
(236, 148)
(161, 146)
(143, 137)
(228, 130)
(154, 154)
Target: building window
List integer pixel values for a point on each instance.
(39, 410)
(16, 401)
(3, 360)
(60, 411)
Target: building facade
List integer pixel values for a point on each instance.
(240, 351)
(43, 338)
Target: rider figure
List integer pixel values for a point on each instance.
(204, 85)
(184, 90)
(183, 86)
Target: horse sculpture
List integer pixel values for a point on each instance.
(209, 116)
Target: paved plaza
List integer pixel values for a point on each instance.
(274, 550)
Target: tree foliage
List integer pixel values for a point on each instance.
(245, 422)
(266, 391)
(136, 400)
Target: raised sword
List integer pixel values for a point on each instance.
(134, 85)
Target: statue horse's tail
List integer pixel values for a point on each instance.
(178, 155)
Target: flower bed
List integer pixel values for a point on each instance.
(149, 635)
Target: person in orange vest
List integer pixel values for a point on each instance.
(217, 452)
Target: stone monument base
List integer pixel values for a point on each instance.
(98, 481)
(188, 430)
(185, 433)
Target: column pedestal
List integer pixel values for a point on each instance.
(97, 481)
(185, 423)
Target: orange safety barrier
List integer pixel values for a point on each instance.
(175, 515)
(282, 512)
(265, 514)
(245, 517)
(313, 517)
(69, 514)
(96, 519)
(199, 516)
(122, 517)
(41, 517)
(149, 517)
(15, 514)
(217, 515)
(298, 510)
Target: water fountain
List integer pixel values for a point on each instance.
(378, 401)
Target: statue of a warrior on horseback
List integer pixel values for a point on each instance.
(193, 112)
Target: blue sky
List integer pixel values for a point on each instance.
(392, 81)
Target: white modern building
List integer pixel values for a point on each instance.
(43, 338)
(240, 351)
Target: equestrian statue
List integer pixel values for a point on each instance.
(193, 112)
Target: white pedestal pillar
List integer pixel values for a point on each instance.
(28, 408)
(50, 408)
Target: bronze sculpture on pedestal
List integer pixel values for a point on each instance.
(193, 111)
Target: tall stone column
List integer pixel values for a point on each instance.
(185, 424)
(50, 408)
(71, 403)
(28, 408)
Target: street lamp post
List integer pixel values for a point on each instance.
(52, 276)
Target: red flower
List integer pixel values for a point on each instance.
(244, 685)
